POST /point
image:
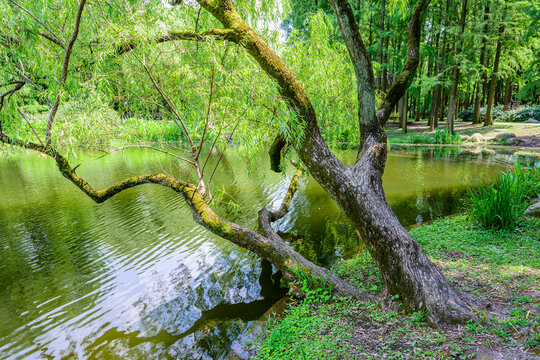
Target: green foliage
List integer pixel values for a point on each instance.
(441, 136)
(523, 113)
(317, 288)
(360, 272)
(501, 205)
(301, 335)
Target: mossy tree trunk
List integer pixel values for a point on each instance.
(405, 269)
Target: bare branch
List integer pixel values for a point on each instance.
(189, 35)
(146, 147)
(31, 127)
(406, 76)
(65, 67)
(52, 39)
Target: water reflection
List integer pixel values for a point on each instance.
(135, 277)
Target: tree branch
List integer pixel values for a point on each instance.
(360, 60)
(406, 76)
(65, 67)
(189, 35)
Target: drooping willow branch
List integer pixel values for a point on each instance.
(270, 247)
(65, 68)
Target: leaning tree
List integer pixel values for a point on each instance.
(405, 269)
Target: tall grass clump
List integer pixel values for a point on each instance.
(501, 205)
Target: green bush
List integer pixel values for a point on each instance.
(444, 137)
(501, 205)
(440, 137)
(523, 113)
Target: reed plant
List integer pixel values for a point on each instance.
(501, 204)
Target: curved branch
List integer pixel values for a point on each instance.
(360, 60)
(189, 35)
(271, 247)
(266, 218)
(65, 66)
(275, 152)
(406, 76)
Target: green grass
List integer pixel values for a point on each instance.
(440, 137)
(500, 265)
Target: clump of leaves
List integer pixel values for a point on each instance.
(317, 288)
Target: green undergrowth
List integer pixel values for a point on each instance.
(439, 137)
(502, 266)
(501, 204)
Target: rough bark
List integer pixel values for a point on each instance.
(491, 96)
(405, 268)
(508, 91)
(481, 80)
(455, 70)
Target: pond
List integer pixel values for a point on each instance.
(136, 277)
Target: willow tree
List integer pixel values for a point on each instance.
(405, 269)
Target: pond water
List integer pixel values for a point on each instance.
(137, 278)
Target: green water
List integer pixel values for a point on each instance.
(137, 278)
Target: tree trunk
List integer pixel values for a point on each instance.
(358, 189)
(382, 79)
(455, 71)
(485, 81)
(433, 119)
(508, 91)
(402, 105)
(477, 118)
(489, 111)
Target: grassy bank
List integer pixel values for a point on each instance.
(419, 133)
(500, 266)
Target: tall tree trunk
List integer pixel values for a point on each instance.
(382, 79)
(455, 70)
(491, 97)
(405, 269)
(508, 91)
(485, 81)
(433, 120)
(402, 106)
(477, 118)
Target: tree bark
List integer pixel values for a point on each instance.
(455, 70)
(382, 79)
(508, 91)
(434, 122)
(491, 97)
(482, 75)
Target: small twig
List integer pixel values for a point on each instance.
(31, 127)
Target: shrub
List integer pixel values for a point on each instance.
(521, 114)
(440, 137)
(444, 137)
(501, 205)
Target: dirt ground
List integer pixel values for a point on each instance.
(528, 134)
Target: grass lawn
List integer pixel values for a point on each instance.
(420, 133)
(502, 267)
